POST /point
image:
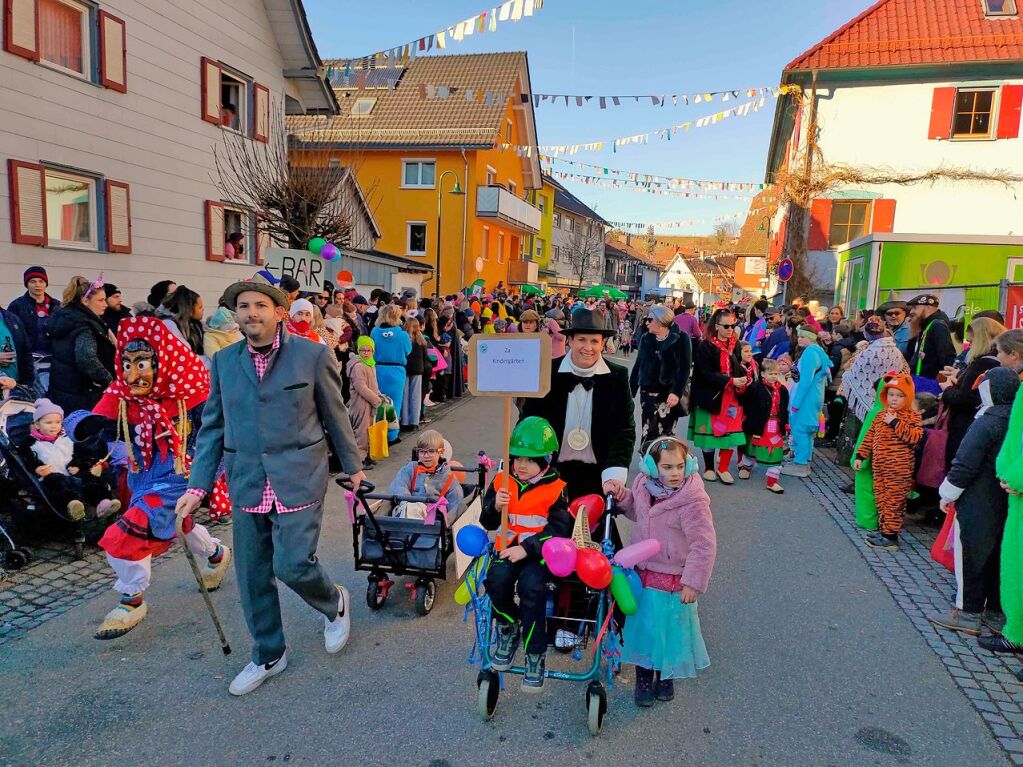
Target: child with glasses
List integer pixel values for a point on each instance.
(430, 475)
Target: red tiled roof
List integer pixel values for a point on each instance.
(915, 32)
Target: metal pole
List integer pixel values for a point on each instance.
(440, 190)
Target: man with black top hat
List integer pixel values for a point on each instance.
(277, 471)
(591, 409)
(932, 350)
(115, 311)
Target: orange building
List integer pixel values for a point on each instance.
(431, 145)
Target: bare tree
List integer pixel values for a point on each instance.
(725, 233)
(586, 252)
(293, 204)
(651, 240)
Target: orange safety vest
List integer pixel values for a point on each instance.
(527, 511)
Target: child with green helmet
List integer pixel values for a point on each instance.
(534, 499)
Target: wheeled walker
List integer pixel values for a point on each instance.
(591, 616)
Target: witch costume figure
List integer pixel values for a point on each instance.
(159, 392)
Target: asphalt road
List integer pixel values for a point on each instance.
(812, 663)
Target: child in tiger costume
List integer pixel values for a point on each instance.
(894, 433)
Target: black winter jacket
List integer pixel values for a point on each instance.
(708, 378)
(35, 326)
(663, 366)
(983, 505)
(938, 350)
(757, 408)
(83, 358)
(962, 402)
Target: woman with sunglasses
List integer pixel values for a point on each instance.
(718, 382)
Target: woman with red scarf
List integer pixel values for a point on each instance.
(719, 380)
(159, 391)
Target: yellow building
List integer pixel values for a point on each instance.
(414, 134)
(538, 247)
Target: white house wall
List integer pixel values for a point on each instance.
(886, 126)
(151, 137)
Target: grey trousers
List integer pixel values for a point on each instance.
(412, 401)
(271, 546)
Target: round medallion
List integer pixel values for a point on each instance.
(578, 439)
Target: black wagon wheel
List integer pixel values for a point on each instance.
(489, 688)
(426, 595)
(375, 596)
(596, 707)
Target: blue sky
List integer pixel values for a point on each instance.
(634, 46)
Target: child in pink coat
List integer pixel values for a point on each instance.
(668, 503)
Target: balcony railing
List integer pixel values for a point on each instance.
(521, 272)
(497, 202)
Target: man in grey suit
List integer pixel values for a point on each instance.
(273, 399)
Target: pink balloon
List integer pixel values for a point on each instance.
(330, 252)
(635, 553)
(560, 555)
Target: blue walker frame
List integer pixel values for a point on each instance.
(605, 652)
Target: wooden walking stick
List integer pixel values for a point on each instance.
(190, 556)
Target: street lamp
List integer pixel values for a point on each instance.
(767, 254)
(457, 190)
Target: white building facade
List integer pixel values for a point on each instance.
(111, 113)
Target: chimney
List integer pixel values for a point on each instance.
(628, 238)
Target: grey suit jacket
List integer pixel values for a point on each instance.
(274, 429)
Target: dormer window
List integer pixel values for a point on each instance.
(999, 7)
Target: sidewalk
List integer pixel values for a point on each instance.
(920, 586)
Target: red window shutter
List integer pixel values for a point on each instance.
(21, 28)
(210, 107)
(942, 106)
(28, 202)
(1009, 111)
(118, 205)
(261, 113)
(778, 243)
(262, 241)
(884, 216)
(215, 235)
(113, 62)
(820, 225)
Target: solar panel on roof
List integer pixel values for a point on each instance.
(375, 78)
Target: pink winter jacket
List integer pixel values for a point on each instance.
(557, 338)
(684, 526)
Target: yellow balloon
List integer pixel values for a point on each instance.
(462, 595)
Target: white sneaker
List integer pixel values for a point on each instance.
(253, 675)
(336, 632)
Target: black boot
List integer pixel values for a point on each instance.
(644, 684)
(664, 689)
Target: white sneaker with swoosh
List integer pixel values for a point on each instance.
(253, 675)
(336, 632)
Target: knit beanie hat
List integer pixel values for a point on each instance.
(35, 271)
(300, 304)
(1003, 384)
(111, 289)
(903, 382)
(44, 407)
(807, 332)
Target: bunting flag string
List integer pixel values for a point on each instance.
(650, 188)
(644, 226)
(649, 178)
(659, 101)
(400, 55)
(664, 134)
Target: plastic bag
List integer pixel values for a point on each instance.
(943, 551)
(378, 440)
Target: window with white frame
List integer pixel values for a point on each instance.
(999, 7)
(538, 248)
(71, 212)
(238, 221)
(500, 247)
(555, 253)
(573, 225)
(491, 176)
(557, 220)
(485, 254)
(512, 186)
(418, 174)
(364, 105)
(416, 238)
(234, 100)
(541, 203)
(64, 39)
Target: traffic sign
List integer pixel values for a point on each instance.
(785, 269)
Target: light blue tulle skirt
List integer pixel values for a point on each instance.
(664, 635)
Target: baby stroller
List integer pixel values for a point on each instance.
(596, 629)
(25, 500)
(415, 547)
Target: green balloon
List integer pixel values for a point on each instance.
(316, 245)
(622, 592)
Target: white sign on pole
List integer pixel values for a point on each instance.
(306, 267)
(510, 365)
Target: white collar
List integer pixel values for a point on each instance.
(567, 366)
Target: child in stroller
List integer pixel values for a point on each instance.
(537, 510)
(430, 475)
(70, 478)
